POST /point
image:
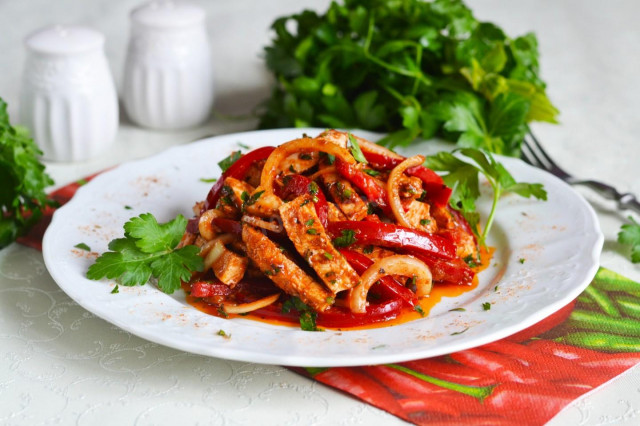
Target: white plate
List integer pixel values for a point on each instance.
(559, 240)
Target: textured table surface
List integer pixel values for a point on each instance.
(61, 365)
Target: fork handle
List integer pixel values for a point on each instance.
(625, 200)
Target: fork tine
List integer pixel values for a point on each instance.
(540, 150)
(530, 155)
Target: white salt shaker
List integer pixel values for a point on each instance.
(68, 97)
(168, 76)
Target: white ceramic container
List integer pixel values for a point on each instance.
(168, 76)
(68, 97)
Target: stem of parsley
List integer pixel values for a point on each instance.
(497, 193)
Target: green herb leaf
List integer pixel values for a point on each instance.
(148, 249)
(346, 238)
(23, 180)
(486, 306)
(208, 180)
(228, 161)
(83, 246)
(463, 177)
(630, 235)
(307, 315)
(355, 150)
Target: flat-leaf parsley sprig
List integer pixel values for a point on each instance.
(462, 176)
(147, 250)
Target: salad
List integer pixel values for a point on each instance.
(332, 230)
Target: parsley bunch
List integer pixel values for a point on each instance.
(23, 180)
(149, 249)
(414, 69)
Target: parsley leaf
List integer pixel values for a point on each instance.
(630, 235)
(347, 237)
(148, 249)
(228, 161)
(463, 177)
(307, 315)
(23, 177)
(355, 150)
(83, 246)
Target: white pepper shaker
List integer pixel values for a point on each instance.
(68, 97)
(168, 76)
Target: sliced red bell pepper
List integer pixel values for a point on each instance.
(380, 161)
(437, 192)
(228, 226)
(365, 183)
(338, 317)
(296, 185)
(238, 170)
(209, 289)
(389, 286)
(389, 235)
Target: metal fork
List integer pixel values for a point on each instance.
(533, 153)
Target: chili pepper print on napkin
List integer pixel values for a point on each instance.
(526, 378)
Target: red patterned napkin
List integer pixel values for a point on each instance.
(524, 379)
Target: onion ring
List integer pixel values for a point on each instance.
(243, 308)
(393, 188)
(403, 265)
(271, 167)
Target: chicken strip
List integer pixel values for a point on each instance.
(283, 271)
(345, 197)
(304, 229)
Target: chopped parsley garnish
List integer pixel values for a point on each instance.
(328, 255)
(425, 222)
(305, 157)
(128, 208)
(471, 261)
(249, 200)
(309, 222)
(313, 188)
(457, 310)
(312, 231)
(307, 315)
(371, 172)
(208, 180)
(224, 334)
(83, 246)
(355, 150)
(486, 306)
(115, 290)
(228, 162)
(367, 249)
(347, 238)
(419, 310)
(522, 260)
(459, 332)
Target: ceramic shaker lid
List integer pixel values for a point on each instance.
(168, 14)
(65, 40)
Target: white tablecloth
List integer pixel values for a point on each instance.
(60, 364)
